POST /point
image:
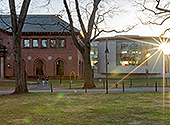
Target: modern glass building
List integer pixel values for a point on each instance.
(94, 56)
(130, 54)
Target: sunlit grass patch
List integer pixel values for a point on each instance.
(91, 108)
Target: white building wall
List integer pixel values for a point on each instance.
(112, 68)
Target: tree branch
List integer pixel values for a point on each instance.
(91, 20)
(145, 8)
(23, 14)
(13, 16)
(161, 9)
(100, 18)
(109, 31)
(164, 32)
(48, 2)
(76, 43)
(80, 19)
(153, 22)
(10, 27)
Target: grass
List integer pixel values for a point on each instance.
(85, 109)
(6, 84)
(78, 84)
(135, 83)
(57, 81)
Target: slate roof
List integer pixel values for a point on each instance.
(38, 23)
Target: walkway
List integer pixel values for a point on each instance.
(45, 88)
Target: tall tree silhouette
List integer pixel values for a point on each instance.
(17, 25)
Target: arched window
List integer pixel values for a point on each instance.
(59, 67)
(40, 67)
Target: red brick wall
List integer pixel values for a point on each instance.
(43, 54)
(7, 40)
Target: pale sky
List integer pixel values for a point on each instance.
(119, 21)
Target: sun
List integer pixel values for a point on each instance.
(160, 45)
(165, 47)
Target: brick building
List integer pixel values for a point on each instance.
(47, 48)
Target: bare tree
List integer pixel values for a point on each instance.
(17, 25)
(157, 11)
(94, 19)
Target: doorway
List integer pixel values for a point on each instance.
(40, 67)
(59, 67)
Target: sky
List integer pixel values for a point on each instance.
(119, 21)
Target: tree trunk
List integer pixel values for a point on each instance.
(20, 73)
(89, 84)
(17, 25)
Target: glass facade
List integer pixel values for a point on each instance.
(94, 56)
(130, 53)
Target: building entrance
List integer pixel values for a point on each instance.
(40, 67)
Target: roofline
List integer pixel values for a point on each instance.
(40, 15)
(127, 37)
(39, 33)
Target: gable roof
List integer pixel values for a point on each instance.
(38, 23)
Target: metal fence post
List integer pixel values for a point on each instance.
(131, 83)
(147, 78)
(155, 86)
(51, 86)
(70, 83)
(123, 86)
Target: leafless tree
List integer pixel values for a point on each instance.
(94, 18)
(17, 25)
(157, 11)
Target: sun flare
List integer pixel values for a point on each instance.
(165, 47)
(161, 45)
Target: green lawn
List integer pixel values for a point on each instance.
(127, 82)
(79, 83)
(6, 84)
(85, 109)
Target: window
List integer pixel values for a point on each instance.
(0, 42)
(26, 43)
(130, 53)
(62, 43)
(35, 42)
(59, 67)
(44, 43)
(52, 43)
